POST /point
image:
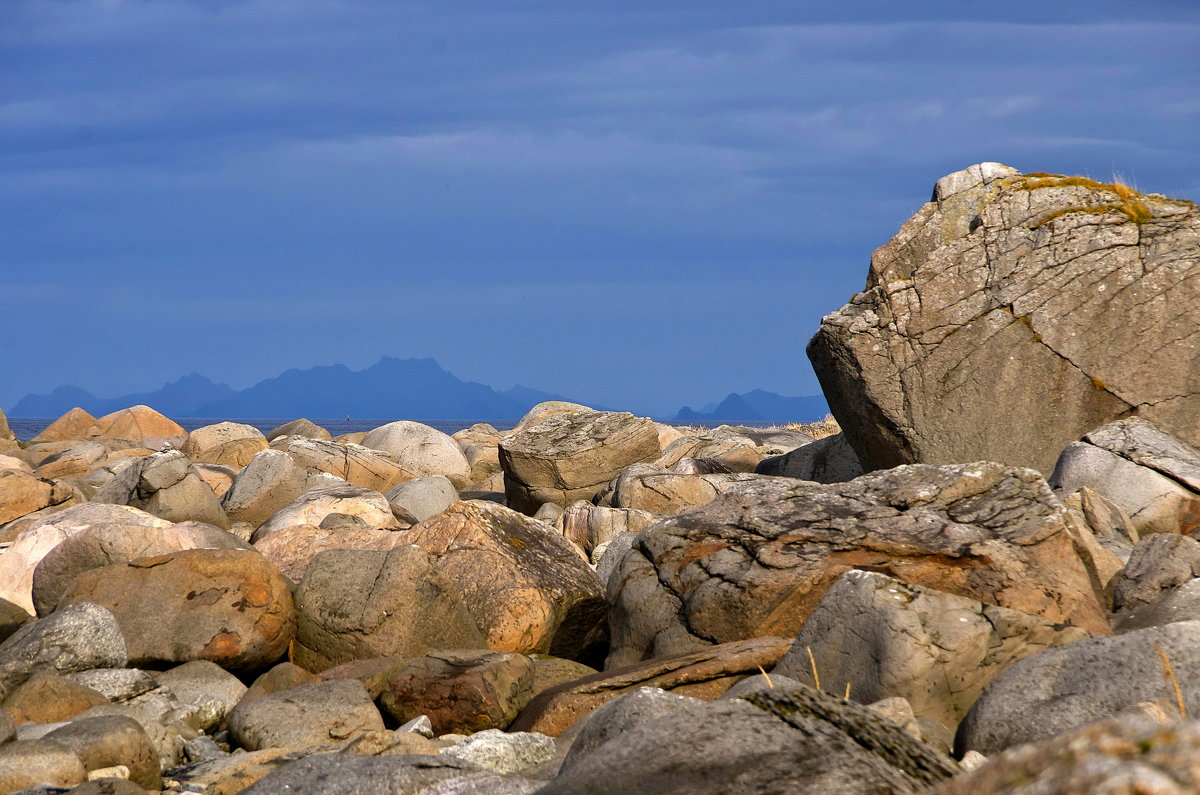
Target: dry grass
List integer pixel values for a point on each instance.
(817, 430)
(1169, 675)
(1130, 202)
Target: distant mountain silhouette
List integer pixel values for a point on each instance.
(180, 398)
(759, 406)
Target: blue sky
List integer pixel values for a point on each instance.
(639, 204)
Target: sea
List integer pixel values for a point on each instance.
(29, 427)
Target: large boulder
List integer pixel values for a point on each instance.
(481, 445)
(78, 638)
(314, 505)
(830, 459)
(1151, 475)
(72, 425)
(1008, 294)
(421, 450)
(139, 425)
(166, 485)
(74, 462)
(270, 481)
(757, 560)
(652, 489)
(302, 427)
(591, 527)
(229, 606)
(738, 448)
(528, 588)
(294, 548)
(230, 443)
(110, 740)
(360, 604)
(572, 455)
(23, 493)
(321, 714)
(357, 465)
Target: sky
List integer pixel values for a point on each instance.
(637, 204)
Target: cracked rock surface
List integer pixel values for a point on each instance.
(757, 560)
(1014, 313)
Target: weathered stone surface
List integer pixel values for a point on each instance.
(590, 526)
(1062, 688)
(166, 485)
(314, 505)
(111, 740)
(322, 713)
(461, 691)
(217, 477)
(343, 774)
(230, 443)
(23, 493)
(1006, 294)
(481, 445)
(301, 427)
(269, 482)
(116, 684)
(547, 409)
(11, 462)
(293, 548)
(357, 465)
(421, 450)
(705, 674)
(650, 488)
(619, 716)
(201, 681)
(30, 763)
(738, 448)
(526, 586)
(46, 697)
(423, 497)
(77, 638)
(1159, 563)
(140, 424)
(827, 460)
(1153, 476)
(72, 425)
(229, 606)
(19, 563)
(281, 677)
(74, 462)
(503, 752)
(12, 617)
(106, 544)
(357, 604)
(936, 650)
(758, 559)
(571, 455)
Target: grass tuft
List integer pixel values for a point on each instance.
(1130, 204)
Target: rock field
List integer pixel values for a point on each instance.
(987, 582)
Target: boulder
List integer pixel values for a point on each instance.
(1110, 525)
(12, 618)
(116, 684)
(166, 485)
(1006, 294)
(108, 741)
(481, 445)
(74, 462)
(572, 455)
(620, 715)
(1177, 604)
(1159, 564)
(460, 691)
(827, 460)
(138, 424)
(320, 501)
(322, 714)
(270, 481)
(357, 465)
(547, 409)
(527, 587)
(46, 697)
(758, 559)
(656, 491)
(1059, 689)
(217, 477)
(589, 527)
(106, 544)
(201, 683)
(70, 426)
(293, 548)
(738, 448)
(11, 462)
(77, 638)
(23, 493)
(283, 676)
(358, 604)
(503, 752)
(422, 498)
(39, 763)
(883, 639)
(229, 606)
(301, 427)
(345, 774)
(421, 450)
(6, 434)
(1149, 474)
(705, 675)
(232, 444)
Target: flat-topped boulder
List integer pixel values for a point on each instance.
(230, 443)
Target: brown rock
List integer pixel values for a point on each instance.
(30, 763)
(301, 427)
(357, 465)
(228, 606)
(589, 526)
(654, 490)
(527, 587)
(757, 560)
(462, 691)
(318, 502)
(704, 674)
(12, 618)
(283, 676)
(140, 424)
(373, 673)
(23, 493)
(1004, 296)
(322, 713)
(107, 741)
(268, 483)
(75, 462)
(232, 444)
(47, 697)
(72, 425)
(293, 548)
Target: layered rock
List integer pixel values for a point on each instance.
(1010, 316)
(230, 443)
(166, 485)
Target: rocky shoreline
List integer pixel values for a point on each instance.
(986, 580)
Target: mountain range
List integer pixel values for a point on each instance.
(409, 388)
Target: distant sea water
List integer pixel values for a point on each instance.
(28, 427)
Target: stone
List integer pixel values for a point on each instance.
(527, 587)
(737, 448)
(24, 493)
(164, 484)
(270, 481)
(1158, 564)
(199, 682)
(30, 763)
(572, 455)
(70, 426)
(1008, 293)
(141, 425)
(827, 460)
(655, 491)
(281, 677)
(423, 497)
(550, 672)
(374, 672)
(359, 604)
(619, 716)
(301, 427)
(76, 638)
(293, 548)
(421, 450)
(74, 462)
(341, 774)
(108, 782)
(705, 675)
(116, 684)
(230, 443)
(12, 618)
(46, 697)
(217, 477)
(357, 465)
(700, 466)
(547, 409)
(107, 544)
(11, 462)
(322, 713)
(460, 691)
(229, 606)
(758, 559)
(589, 527)
(168, 740)
(481, 445)
(503, 752)
(317, 502)
(885, 639)
(1151, 475)
(1177, 604)
(104, 742)
(229, 774)
(1062, 688)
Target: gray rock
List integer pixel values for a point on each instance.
(827, 460)
(1177, 604)
(116, 684)
(338, 774)
(317, 502)
(421, 450)
(103, 742)
(418, 725)
(590, 527)
(357, 465)
(619, 716)
(168, 740)
(483, 784)
(77, 638)
(1159, 563)
(269, 482)
(323, 713)
(8, 729)
(167, 485)
(423, 497)
(503, 752)
(761, 683)
(1060, 689)
(663, 493)
(201, 683)
(1007, 294)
